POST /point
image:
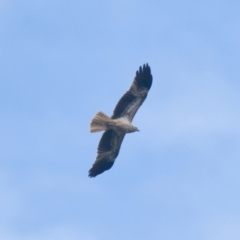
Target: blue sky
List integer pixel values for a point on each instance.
(61, 62)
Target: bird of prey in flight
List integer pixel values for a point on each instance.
(119, 124)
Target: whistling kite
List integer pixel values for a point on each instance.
(120, 123)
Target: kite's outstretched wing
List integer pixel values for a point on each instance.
(130, 102)
(108, 149)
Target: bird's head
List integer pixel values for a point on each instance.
(134, 129)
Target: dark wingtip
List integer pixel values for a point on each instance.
(144, 76)
(99, 167)
(91, 175)
(93, 172)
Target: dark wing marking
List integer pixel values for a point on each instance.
(105, 142)
(123, 103)
(108, 149)
(135, 96)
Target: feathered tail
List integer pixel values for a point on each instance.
(100, 122)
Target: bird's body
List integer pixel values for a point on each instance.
(102, 122)
(120, 123)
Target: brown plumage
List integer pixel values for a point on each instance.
(100, 122)
(120, 123)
